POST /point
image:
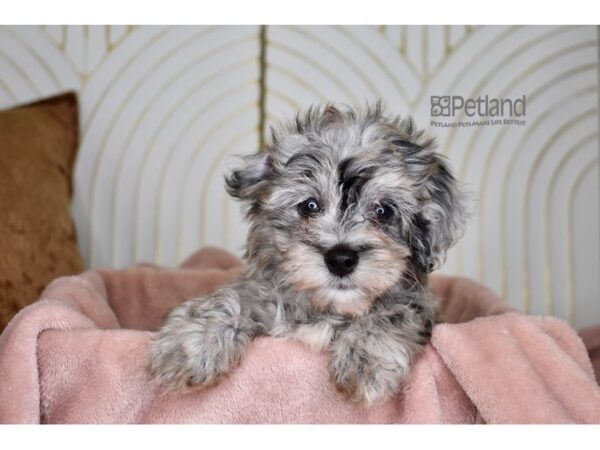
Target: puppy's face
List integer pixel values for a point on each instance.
(342, 202)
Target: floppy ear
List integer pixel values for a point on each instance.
(441, 219)
(251, 180)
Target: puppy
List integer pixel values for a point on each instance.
(349, 210)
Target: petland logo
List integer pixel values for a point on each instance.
(486, 110)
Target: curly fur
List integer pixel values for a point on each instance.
(374, 319)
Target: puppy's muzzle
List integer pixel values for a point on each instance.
(341, 260)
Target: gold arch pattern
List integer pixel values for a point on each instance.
(578, 146)
(593, 166)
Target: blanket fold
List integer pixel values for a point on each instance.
(78, 355)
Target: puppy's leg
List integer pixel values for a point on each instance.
(203, 339)
(371, 356)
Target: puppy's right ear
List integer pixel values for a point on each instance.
(250, 181)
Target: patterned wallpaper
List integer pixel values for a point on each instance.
(165, 108)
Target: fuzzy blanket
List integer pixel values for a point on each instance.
(78, 355)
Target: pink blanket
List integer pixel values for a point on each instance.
(78, 355)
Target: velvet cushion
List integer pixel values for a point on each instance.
(38, 146)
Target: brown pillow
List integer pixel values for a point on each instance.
(38, 145)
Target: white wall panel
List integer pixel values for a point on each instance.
(164, 109)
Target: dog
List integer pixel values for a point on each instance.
(349, 210)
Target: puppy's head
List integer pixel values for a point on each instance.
(345, 203)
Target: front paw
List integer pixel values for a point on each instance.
(198, 344)
(366, 378)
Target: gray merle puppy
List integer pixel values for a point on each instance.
(349, 210)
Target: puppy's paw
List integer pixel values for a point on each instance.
(367, 382)
(370, 369)
(200, 341)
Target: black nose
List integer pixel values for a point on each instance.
(341, 260)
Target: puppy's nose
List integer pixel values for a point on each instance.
(341, 260)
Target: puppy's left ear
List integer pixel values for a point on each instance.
(442, 217)
(251, 180)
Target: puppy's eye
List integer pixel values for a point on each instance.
(383, 213)
(309, 207)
